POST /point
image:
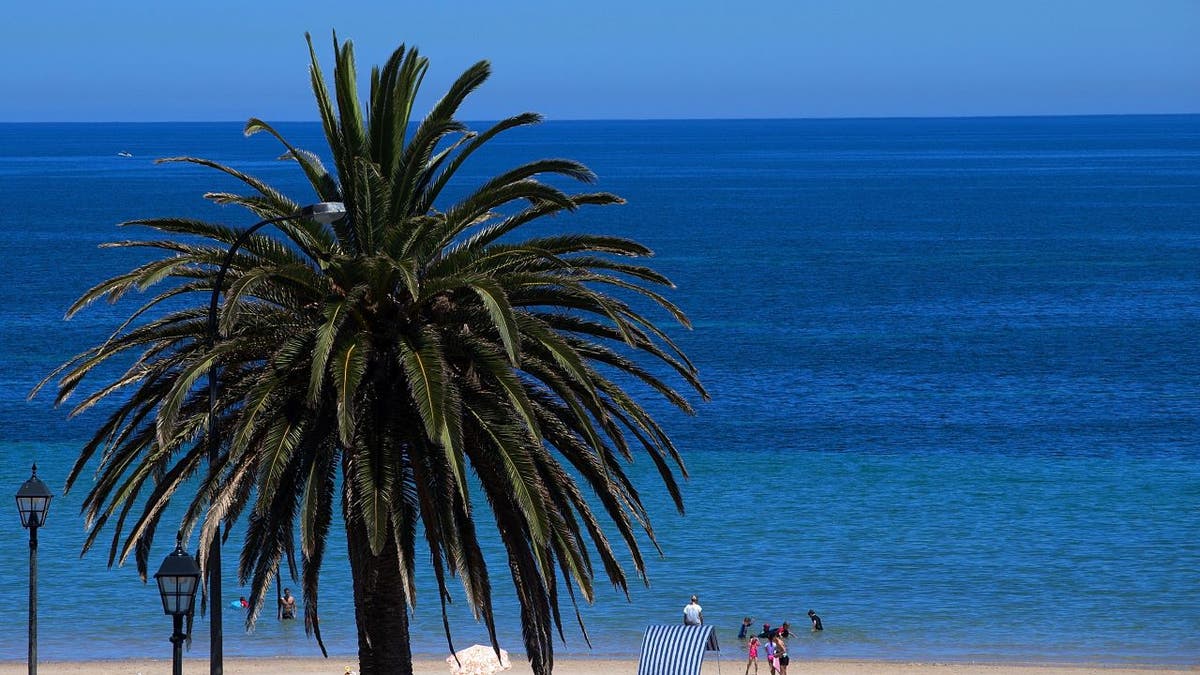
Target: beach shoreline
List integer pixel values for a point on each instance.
(578, 666)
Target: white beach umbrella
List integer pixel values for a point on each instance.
(478, 660)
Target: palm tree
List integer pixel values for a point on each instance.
(417, 360)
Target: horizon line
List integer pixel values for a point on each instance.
(666, 119)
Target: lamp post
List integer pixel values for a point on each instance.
(322, 212)
(33, 502)
(177, 580)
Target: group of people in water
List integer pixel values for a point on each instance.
(287, 604)
(772, 642)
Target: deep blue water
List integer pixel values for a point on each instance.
(954, 365)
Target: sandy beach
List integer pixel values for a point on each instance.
(333, 666)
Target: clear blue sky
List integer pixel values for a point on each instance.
(159, 60)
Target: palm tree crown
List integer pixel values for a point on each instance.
(416, 360)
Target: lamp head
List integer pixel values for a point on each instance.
(324, 212)
(178, 578)
(33, 501)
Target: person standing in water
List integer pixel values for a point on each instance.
(816, 620)
(287, 605)
(693, 613)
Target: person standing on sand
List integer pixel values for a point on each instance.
(781, 655)
(816, 620)
(693, 613)
(753, 655)
(769, 647)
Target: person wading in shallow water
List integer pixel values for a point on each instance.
(287, 605)
(816, 620)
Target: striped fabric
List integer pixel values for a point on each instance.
(675, 649)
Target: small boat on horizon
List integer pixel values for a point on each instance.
(123, 153)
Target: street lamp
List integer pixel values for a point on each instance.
(177, 580)
(33, 502)
(322, 212)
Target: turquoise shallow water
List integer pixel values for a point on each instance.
(953, 362)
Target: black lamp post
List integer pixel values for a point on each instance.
(322, 212)
(33, 502)
(178, 578)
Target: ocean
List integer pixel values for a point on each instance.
(954, 366)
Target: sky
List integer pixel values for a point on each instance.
(217, 60)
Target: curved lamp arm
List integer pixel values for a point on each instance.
(322, 212)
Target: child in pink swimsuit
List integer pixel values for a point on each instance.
(753, 655)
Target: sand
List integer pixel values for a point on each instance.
(334, 666)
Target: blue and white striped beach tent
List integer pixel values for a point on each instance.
(675, 649)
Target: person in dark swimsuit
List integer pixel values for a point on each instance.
(781, 654)
(816, 620)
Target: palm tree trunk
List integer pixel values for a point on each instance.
(379, 606)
